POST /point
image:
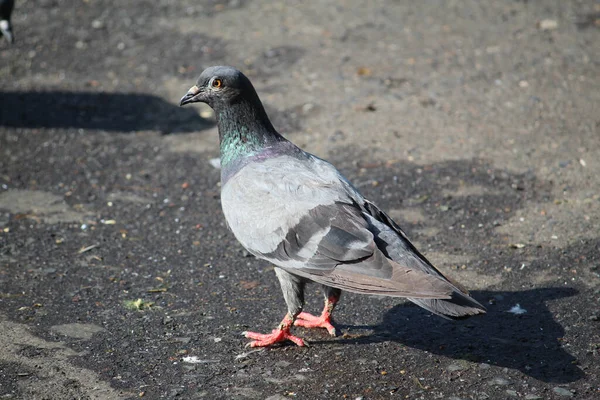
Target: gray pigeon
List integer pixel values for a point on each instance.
(298, 212)
(6, 7)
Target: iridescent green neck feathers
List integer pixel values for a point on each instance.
(244, 130)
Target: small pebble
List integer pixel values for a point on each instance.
(455, 367)
(499, 381)
(306, 108)
(563, 392)
(548, 24)
(276, 397)
(215, 162)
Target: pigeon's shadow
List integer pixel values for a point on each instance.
(117, 112)
(528, 342)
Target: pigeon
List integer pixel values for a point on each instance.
(298, 212)
(6, 7)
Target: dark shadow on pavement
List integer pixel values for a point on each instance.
(528, 342)
(118, 112)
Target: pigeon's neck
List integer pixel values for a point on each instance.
(244, 130)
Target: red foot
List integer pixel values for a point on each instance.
(307, 320)
(278, 335)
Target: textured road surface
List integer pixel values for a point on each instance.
(474, 123)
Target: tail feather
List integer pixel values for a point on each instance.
(459, 306)
(395, 244)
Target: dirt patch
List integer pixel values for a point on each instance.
(45, 369)
(77, 331)
(39, 205)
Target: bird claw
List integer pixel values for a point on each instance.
(307, 320)
(277, 336)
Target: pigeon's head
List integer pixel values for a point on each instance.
(219, 86)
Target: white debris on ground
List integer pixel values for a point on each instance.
(517, 310)
(215, 162)
(548, 24)
(196, 360)
(246, 354)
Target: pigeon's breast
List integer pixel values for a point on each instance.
(264, 200)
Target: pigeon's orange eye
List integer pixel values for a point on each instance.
(217, 83)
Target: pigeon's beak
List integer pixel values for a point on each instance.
(193, 95)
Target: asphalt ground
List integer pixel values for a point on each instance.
(475, 124)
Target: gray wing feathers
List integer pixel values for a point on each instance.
(458, 306)
(394, 243)
(380, 275)
(332, 245)
(322, 238)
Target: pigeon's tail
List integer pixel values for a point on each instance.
(459, 306)
(398, 247)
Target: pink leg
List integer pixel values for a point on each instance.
(307, 320)
(281, 334)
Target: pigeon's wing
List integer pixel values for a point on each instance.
(303, 216)
(394, 243)
(332, 245)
